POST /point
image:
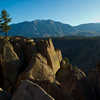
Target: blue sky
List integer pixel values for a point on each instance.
(71, 12)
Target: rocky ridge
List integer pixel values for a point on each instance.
(35, 70)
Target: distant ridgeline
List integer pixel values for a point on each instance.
(48, 28)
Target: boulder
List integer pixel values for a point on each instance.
(53, 89)
(9, 63)
(21, 56)
(22, 41)
(30, 91)
(30, 50)
(74, 81)
(26, 45)
(37, 70)
(47, 50)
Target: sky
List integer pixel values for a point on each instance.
(73, 12)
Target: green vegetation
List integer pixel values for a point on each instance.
(4, 20)
(66, 60)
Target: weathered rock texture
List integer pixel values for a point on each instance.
(59, 54)
(54, 89)
(9, 63)
(47, 49)
(30, 91)
(73, 81)
(30, 50)
(37, 70)
(28, 46)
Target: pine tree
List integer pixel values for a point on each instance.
(4, 20)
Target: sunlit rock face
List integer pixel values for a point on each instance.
(38, 69)
(58, 51)
(47, 49)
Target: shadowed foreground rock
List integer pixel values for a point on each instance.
(94, 79)
(27, 47)
(4, 95)
(9, 62)
(30, 91)
(54, 89)
(74, 81)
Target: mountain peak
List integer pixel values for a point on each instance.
(45, 28)
(40, 28)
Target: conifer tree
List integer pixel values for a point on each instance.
(4, 20)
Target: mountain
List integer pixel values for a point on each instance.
(95, 27)
(41, 28)
(84, 33)
(49, 28)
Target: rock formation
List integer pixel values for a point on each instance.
(9, 63)
(54, 89)
(59, 54)
(28, 46)
(36, 70)
(30, 91)
(73, 81)
(47, 49)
